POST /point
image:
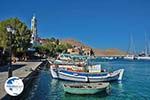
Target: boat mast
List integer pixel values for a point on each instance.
(131, 50)
(146, 45)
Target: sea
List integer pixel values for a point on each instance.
(134, 86)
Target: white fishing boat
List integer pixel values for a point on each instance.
(86, 76)
(143, 57)
(129, 57)
(66, 57)
(55, 67)
(71, 59)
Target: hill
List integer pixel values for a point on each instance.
(74, 43)
(98, 52)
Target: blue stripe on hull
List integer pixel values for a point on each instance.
(86, 77)
(104, 79)
(83, 73)
(71, 78)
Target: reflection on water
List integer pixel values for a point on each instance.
(55, 90)
(54, 85)
(120, 86)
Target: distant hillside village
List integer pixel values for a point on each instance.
(75, 47)
(71, 48)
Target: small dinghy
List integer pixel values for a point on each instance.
(86, 88)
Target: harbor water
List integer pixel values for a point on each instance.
(134, 86)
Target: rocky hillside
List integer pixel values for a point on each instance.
(109, 52)
(98, 52)
(74, 43)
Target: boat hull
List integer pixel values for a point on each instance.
(87, 77)
(143, 58)
(72, 77)
(54, 72)
(99, 79)
(115, 76)
(82, 91)
(129, 58)
(84, 88)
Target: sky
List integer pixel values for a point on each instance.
(100, 24)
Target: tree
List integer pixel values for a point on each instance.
(62, 47)
(51, 47)
(57, 41)
(52, 39)
(91, 52)
(21, 38)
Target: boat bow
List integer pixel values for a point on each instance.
(121, 74)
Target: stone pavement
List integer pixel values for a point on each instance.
(20, 69)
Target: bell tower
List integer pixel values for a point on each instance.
(34, 31)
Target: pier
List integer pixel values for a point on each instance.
(24, 70)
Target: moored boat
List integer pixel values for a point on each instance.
(146, 54)
(54, 68)
(143, 57)
(130, 57)
(90, 77)
(86, 88)
(86, 76)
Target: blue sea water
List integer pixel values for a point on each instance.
(134, 86)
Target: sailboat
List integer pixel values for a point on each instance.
(145, 55)
(131, 51)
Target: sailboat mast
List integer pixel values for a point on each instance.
(131, 45)
(146, 45)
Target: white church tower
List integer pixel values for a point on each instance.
(34, 31)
